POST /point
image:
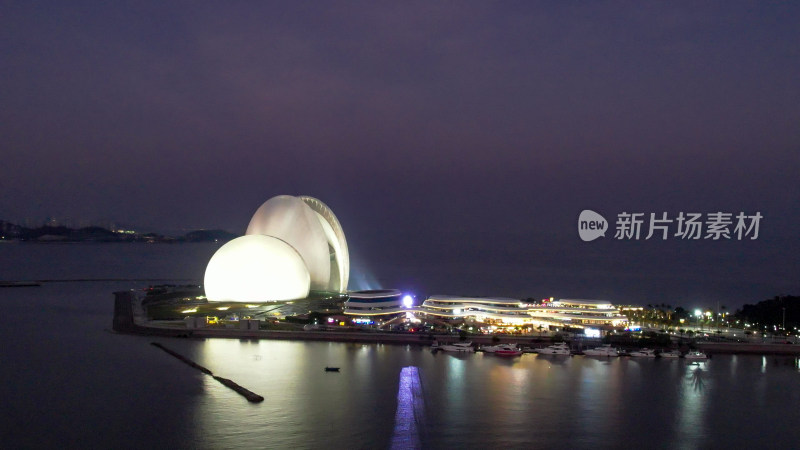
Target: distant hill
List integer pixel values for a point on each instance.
(208, 236)
(14, 232)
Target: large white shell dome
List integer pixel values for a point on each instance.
(292, 244)
(313, 230)
(255, 269)
(292, 221)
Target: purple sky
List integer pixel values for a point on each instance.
(456, 141)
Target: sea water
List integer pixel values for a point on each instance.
(67, 380)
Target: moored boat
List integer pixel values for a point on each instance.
(491, 348)
(604, 350)
(696, 355)
(644, 353)
(507, 350)
(458, 347)
(556, 349)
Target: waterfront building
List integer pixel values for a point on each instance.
(498, 313)
(386, 303)
(476, 309)
(293, 245)
(578, 313)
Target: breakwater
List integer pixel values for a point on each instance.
(249, 395)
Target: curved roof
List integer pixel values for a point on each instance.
(311, 228)
(335, 236)
(256, 268)
(375, 293)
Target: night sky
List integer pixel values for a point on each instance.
(457, 142)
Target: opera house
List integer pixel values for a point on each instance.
(295, 246)
(292, 245)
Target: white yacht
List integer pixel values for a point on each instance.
(491, 348)
(503, 350)
(604, 350)
(459, 347)
(644, 353)
(556, 349)
(671, 354)
(696, 355)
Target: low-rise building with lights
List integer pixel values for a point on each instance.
(477, 309)
(578, 313)
(377, 302)
(499, 313)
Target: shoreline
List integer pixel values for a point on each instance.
(124, 323)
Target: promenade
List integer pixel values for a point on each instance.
(129, 318)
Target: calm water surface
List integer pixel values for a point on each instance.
(65, 380)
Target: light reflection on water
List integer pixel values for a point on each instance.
(64, 378)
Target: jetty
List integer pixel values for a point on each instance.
(249, 395)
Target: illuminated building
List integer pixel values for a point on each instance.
(478, 309)
(512, 312)
(292, 245)
(577, 313)
(379, 302)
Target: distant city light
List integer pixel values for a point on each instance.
(408, 301)
(698, 312)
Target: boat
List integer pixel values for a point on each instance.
(696, 355)
(503, 350)
(556, 349)
(495, 348)
(644, 353)
(671, 354)
(604, 350)
(331, 369)
(458, 347)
